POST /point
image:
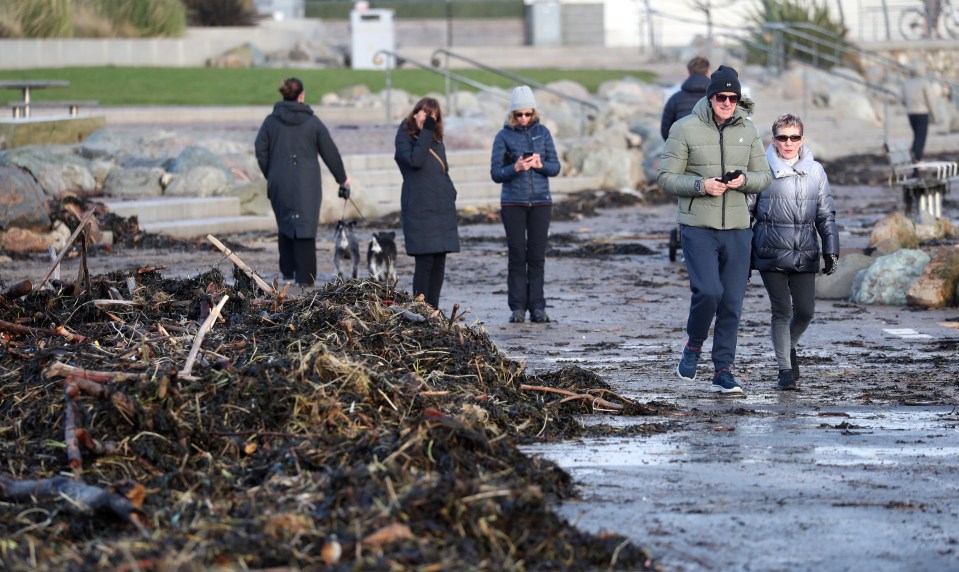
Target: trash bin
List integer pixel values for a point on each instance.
(371, 30)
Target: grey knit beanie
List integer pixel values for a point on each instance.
(522, 98)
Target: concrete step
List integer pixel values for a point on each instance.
(154, 210)
(191, 228)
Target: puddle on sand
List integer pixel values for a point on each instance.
(894, 437)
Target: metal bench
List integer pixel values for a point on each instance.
(19, 108)
(922, 183)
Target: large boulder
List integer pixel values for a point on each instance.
(893, 232)
(195, 156)
(244, 56)
(23, 240)
(888, 279)
(839, 285)
(57, 168)
(252, 197)
(936, 288)
(136, 182)
(22, 203)
(199, 182)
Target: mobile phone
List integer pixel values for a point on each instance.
(527, 154)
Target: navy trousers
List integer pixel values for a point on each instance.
(718, 266)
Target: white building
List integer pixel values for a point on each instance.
(662, 23)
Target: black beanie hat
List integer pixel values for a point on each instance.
(723, 79)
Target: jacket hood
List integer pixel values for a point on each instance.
(781, 170)
(705, 112)
(292, 112)
(696, 83)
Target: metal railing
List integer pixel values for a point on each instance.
(394, 58)
(584, 105)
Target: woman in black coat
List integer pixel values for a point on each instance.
(428, 199)
(287, 147)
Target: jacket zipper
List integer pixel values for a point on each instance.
(722, 169)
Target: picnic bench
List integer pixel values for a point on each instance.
(922, 183)
(20, 109)
(27, 85)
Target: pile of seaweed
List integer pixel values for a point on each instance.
(157, 424)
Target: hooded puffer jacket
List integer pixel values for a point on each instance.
(287, 146)
(530, 187)
(698, 149)
(681, 103)
(793, 214)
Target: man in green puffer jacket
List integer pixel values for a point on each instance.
(713, 160)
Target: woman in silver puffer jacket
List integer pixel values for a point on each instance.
(795, 224)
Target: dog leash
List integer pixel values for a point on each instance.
(344, 194)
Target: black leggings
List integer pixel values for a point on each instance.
(428, 276)
(920, 127)
(298, 259)
(527, 230)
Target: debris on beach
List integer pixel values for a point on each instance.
(152, 424)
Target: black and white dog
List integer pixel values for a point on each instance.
(346, 249)
(381, 258)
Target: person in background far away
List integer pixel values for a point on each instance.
(523, 159)
(793, 215)
(681, 103)
(427, 199)
(712, 160)
(921, 101)
(287, 146)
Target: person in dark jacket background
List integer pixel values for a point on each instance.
(288, 145)
(523, 159)
(681, 103)
(428, 197)
(793, 215)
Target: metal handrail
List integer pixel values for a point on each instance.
(393, 57)
(510, 75)
(836, 43)
(891, 95)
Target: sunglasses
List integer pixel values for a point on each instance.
(784, 138)
(519, 114)
(720, 98)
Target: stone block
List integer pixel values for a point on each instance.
(48, 130)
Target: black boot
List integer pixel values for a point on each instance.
(786, 380)
(794, 361)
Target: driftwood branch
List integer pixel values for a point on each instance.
(41, 332)
(60, 369)
(83, 223)
(573, 396)
(74, 457)
(207, 324)
(80, 497)
(242, 265)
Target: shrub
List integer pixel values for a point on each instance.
(798, 11)
(221, 12)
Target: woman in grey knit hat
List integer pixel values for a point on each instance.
(523, 159)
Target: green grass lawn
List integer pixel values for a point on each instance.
(215, 86)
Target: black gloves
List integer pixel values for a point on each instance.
(429, 123)
(830, 264)
(344, 192)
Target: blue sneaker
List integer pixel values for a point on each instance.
(724, 382)
(687, 364)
